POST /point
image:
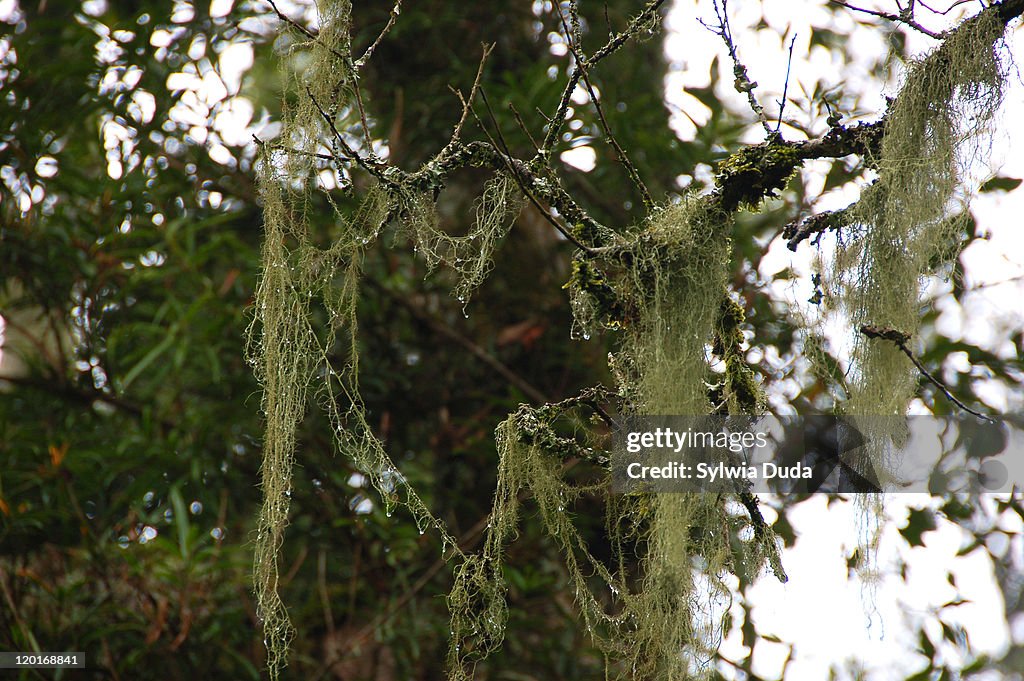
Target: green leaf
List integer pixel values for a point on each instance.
(180, 520)
(1001, 183)
(921, 520)
(150, 357)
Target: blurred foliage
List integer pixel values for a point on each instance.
(129, 426)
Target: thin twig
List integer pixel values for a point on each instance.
(377, 169)
(290, 150)
(522, 125)
(575, 34)
(291, 22)
(951, 7)
(785, 87)
(362, 114)
(620, 153)
(507, 156)
(907, 20)
(468, 103)
(613, 44)
(395, 11)
(742, 81)
(901, 339)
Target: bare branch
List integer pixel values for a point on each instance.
(620, 153)
(522, 125)
(785, 86)
(901, 339)
(742, 81)
(950, 9)
(362, 113)
(904, 17)
(467, 103)
(613, 44)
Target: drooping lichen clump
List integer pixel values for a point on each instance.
(531, 458)
(905, 223)
(933, 131)
(469, 256)
(282, 341)
(675, 281)
(665, 622)
(290, 353)
(667, 295)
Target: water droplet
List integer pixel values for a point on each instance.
(196, 507)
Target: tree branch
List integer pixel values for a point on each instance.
(905, 18)
(901, 339)
(613, 44)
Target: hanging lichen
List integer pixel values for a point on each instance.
(531, 458)
(932, 132)
(282, 342)
(470, 256)
(905, 226)
(661, 286)
(662, 289)
(289, 354)
(667, 294)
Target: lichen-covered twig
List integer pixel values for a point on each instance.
(901, 339)
(742, 81)
(814, 225)
(392, 18)
(905, 17)
(620, 153)
(614, 43)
